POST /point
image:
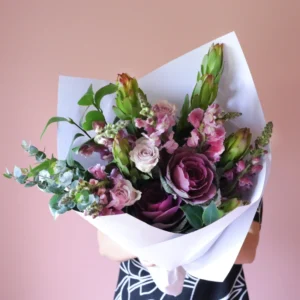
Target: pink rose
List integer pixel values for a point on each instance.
(123, 194)
(145, 154)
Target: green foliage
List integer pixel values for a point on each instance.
(104, 91)
(211, 214)
(194, 215)
(264, 139)
(91, 117)
(88, 98)
(185, 110)
(70, 159)
(54, 120)
(120, 114)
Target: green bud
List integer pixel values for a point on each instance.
(205, 92)
(229, 205)
(127, 95)
(121, 151)
(236, 146)
(213, 62)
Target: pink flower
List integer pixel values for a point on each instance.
(195, 117)
(102, 194)
(240, 166)
(228, 175)
(245, 182)
(162, 108)
(98, 171)
(123, 194)
(145, 154)
(255, 160)
(215, 149)
(140, 123)
(93, 181)
(87, 150)
(98, 126)
(193, 140)
(164, 123)
(256, 169)
(110, 211)
(171, 145)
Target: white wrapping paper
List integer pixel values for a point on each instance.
(208, 253)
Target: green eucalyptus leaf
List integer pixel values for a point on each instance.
(55, 188)
(24, 145)
(88, 98)
(40, 156)
(211, 214)
(30, 184)
(194, 215)
(17, 172)
(21, 179)
(65, 179)
(55, 208)
(104, 91)
(32, 150)
(9, 176)
(54, 120)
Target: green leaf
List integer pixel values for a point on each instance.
(30, 184)
(21, 179)
(70, 159)
(54, 120)
(40, 156)
(88, 98)
(120, 114)
(65, 179)
(45, 165)
(9, 176)
(182, 123)
(127, 106)
(91, 117)
(165, 185)
(17, 172)
(194, 215)
(33, 150)
(54, 206)
(104, 91)
(229, 205)
(211, 214)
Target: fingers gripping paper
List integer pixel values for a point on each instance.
(208, 253)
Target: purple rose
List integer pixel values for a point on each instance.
(191, 176)
(158, 208)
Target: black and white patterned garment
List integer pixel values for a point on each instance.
(135, 283)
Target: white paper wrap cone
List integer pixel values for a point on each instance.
(208, 253)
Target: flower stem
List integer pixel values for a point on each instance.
(73, 123)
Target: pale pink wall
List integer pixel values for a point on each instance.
(43, 259)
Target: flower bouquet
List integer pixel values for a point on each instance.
(174, 178)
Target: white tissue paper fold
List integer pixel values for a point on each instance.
(208, 253)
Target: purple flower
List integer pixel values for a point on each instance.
(158, 208)
(191, 175)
